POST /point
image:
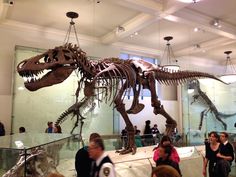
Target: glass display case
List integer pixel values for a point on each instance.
(44, 153)
(208, 105)
(34, 154)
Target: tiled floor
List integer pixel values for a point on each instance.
(233, 171)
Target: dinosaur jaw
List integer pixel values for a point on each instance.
(35, 80)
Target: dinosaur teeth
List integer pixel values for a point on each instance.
(33, 76)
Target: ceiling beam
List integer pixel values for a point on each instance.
(205, 46)
(144, 19)
(193, 18)
(172, 6)
(140, 21)
(146, 6)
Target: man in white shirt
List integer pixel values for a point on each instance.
(103, 166)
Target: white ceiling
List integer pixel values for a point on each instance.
(152, 19)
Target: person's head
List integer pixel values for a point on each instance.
(165, 151)
(138, 132)
(155, 125)
(213, 137)
(165, 140)
(94, 136)
(58, 129)
(96, 148)
(22, 130)
(224, 137)
(165, 171)
(135, 127)
(50, 124)
(148, 122)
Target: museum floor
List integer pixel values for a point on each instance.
(233, 172)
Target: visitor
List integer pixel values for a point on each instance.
(148, 138)
(165, 171)
(50, 128)
(102, 165)
(166, 141)
(155, 130)
(2, 129)
(136, 130)
(165, 157)
(82, 160)
(58, 129)
(212, 148)
(225, 155)
(22, 130)
(124, 137)
(156, 134)
(138, 139)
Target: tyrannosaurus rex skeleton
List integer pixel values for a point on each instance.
(107, 79)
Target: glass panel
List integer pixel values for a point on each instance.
(124, 56)
(61, 155)
(29, 140)
(41, 159)
(34, 109)
(208, 105)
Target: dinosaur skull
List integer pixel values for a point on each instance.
(49, 68)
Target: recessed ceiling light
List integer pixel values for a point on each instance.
(216, 23)
(136, 33)
(196, 29)
(131, 35)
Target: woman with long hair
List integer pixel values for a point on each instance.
(165, 141)
(212, 148)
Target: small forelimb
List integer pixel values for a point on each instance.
(195, 97)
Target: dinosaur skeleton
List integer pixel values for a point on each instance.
(105, 80)
(37, 163)
(211, 107)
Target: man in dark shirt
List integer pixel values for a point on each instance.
(82, 160)
(155, 129)
(225, 155)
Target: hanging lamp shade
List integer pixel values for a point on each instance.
(229, 75)
(72, 16)
(168, 61)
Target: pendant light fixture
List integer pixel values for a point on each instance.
(71, 15)
(168, 61)
(229, 75)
